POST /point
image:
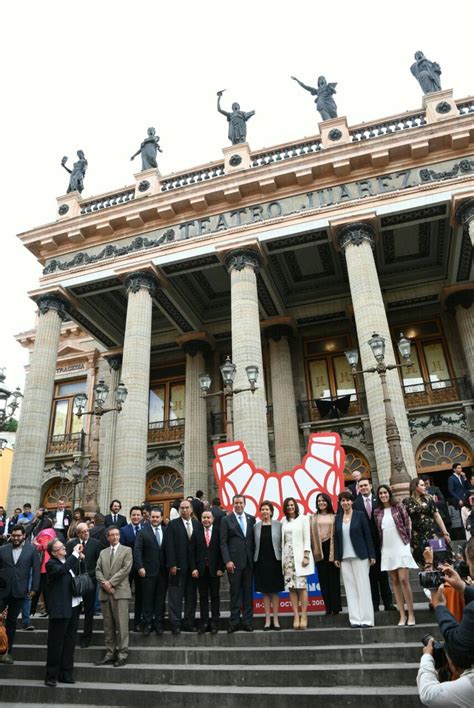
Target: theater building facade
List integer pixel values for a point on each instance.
(282, 258)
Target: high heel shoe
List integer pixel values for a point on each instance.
(411, 623)
(402, 623)
(304, 621)
(296, 622)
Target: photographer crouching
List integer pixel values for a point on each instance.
(454, 658)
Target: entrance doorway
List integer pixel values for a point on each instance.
(163, 487)
(436, 456)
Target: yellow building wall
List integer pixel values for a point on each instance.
(5, 471)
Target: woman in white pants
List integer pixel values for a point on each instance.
(354, 553)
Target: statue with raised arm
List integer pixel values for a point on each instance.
(324, 101)
(427, 73)
(76, 180)
(237, 120)
(148, 150)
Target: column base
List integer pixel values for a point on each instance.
(401, 490)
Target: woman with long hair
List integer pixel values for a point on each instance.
(426, 521)
(322, 544)
(78, 517)
(268, 573)
(354, 554)
(41, 541)
(394, 527)
(297, 559)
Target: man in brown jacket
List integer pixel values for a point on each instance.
(112, 571)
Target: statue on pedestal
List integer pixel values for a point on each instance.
(76, 180)
(427, 73)
(148, 150)
(237, 121)
(324, 101)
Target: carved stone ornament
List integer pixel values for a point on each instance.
(277, 331)
(114, 361)
(443, 107)
(238, 259)
(144, 185)
(52, 302)
(141, 279)
(63, 209)
(465, 211)
(463, 166)
(355, 234)
(235, 160)
(335, 134)
(196, 346)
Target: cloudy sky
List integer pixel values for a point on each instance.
(94, 75)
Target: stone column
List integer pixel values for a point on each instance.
(465, 216)
(32, 436)
(195, 424)
(249, 409)
(132, 423)
(285, 422)
(357, 240)
(107, 437)
(462, 303)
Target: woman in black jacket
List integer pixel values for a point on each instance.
(63, 610)
(354, 553)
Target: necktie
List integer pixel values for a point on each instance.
(368, 507)
(241, 522)
(208, 537)
(188, 528)
(115, 518)
(157, 535)
(135, 528)
(112, 552)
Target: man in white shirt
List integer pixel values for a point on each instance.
(62, 519)
(449, 694)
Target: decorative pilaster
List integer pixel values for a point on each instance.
(250, 414)
(107, 436)
(195, 426)
(462, 302)
(357, 240)
(285, 422)
(132, 423)
(465, 216)
(32, 436)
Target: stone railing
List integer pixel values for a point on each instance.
(184, 179)
(66, 444)
(308, 411)
(108, 200)
(465, 106)
(366, 131)
(435, 392)
(285, 152)
(166, 430)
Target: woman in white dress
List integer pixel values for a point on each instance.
(394, 527)
(296, 559)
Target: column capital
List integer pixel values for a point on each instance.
(241, 257)
(51, 301)
(465, 211)
(462, 296)
(114, 361)
(355, 234)
(141, 279)
(195, 342)
(277, 328)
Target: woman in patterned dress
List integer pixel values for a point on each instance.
(426, 521)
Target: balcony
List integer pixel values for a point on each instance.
(429, 393)
(321, 409)
(66, 444)
(217, 427)
(165, 431)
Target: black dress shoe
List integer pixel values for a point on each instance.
(267, 628)
(188, 628)
(104, 661)
(159, 632)
(233, 628)
(84, 643)
(147, 631)
(247, 628)
(176, 630)
(356, 626)
(276, 627)
(390, 608)
(66, 680)
(214, 630)
(202, 630)
(120, 662)
(51, 683)
(138, 628)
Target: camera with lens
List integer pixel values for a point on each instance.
(461, 568)
(431, 579)
(439, 657)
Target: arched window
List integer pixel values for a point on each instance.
(439, 453)
(163, 487)
(57, 489)
(355, 461)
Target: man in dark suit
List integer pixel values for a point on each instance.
(128, 535)
(115, 518)
(91, 550)
(197, 504)
(99, 531)
(63, 610)
(207, 559)
(17, 560)
(237, 548)
(62, 519)
(149, 559)
(182, 578)
(217, 512)
(458, 486)
(367, 501)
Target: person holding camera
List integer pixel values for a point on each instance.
(455, 693)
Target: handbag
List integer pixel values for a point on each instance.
(82, 584)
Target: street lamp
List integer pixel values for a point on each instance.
(101, 391)
(228, 372)
(5, 396)
(77, 474)
(399, 478)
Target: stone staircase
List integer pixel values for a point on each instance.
(331, 661)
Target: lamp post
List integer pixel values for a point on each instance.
(101, 391)
(228, 371)
(399, 478)
(5, 396)
(77, 472)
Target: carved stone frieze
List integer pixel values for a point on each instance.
(52, 302)
(164, 455)
(141, 279)
(454, 419)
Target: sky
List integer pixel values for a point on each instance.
(95, 75)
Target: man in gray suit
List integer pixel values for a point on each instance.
(112, 571)
(17, 560)
(238, 548)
